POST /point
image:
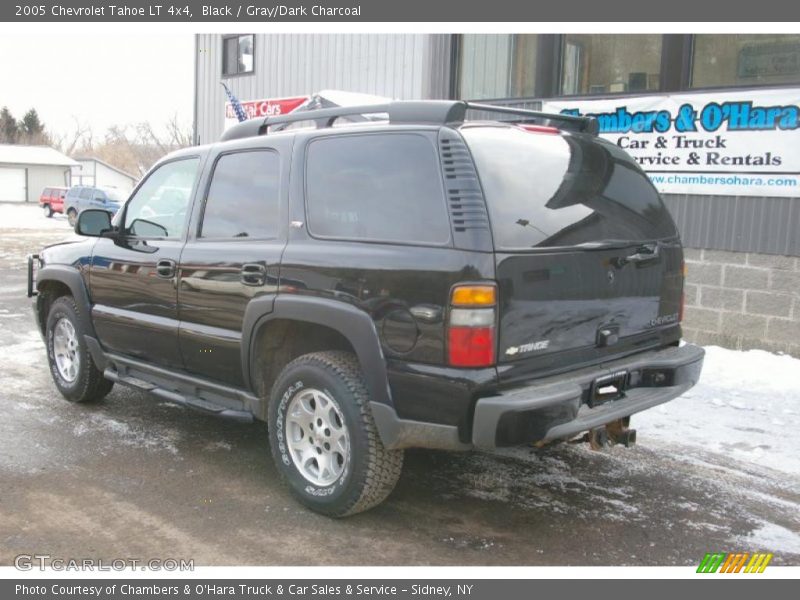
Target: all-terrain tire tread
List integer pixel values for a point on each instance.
(383, 466)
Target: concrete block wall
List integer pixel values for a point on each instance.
(743, 300)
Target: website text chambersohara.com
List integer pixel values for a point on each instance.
(263, 589)
(233, 10)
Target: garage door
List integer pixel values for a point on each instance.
(12, 185)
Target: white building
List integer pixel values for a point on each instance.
(95, 172)
(26, 170)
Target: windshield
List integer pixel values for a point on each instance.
(547, 190)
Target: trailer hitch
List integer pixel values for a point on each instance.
(616, 432)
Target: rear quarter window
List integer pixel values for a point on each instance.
(546, 190)
(376, 187)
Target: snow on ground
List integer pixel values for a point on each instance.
(746, 407)
(29, 216)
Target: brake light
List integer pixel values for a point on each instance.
(539, 128)
(471, 326)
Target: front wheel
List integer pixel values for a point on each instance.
(71, 365)
(72, 217)
(48, 212)
(323, 437)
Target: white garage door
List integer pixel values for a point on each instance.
(12, 185)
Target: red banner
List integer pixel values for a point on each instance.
(266, 108)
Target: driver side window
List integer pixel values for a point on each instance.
(158, 209)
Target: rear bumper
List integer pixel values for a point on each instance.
(555, 408)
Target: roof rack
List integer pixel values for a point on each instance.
(435, 112)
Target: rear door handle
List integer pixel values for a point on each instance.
(165, 268)
(254, 274)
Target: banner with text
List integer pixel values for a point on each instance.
(743, 143)
(270, 107)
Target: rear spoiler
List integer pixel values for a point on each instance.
(431, 112)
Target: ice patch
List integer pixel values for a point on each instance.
(769, 537)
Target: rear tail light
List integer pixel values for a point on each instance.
(471, 326)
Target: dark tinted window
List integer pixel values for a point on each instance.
(376, 187)
(243, 197)
(553, 190)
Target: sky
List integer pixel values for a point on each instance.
(99, 79)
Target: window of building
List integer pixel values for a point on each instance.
(745, 59)
(497, 66)
(243, 199)
(610, 64)
(376, 187)
(158, 209)
(238, 55)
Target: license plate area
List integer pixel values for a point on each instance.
(608, 388)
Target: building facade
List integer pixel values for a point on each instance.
(92, 171)
(26, 170)
(733, 100)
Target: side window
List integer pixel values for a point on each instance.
(243, 197)
(98, 195)
(73, 192)
(159, 207)
(385, 187)
(47, 192)
(86, 193)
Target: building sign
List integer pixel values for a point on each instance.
(271, 107)
(728, 143)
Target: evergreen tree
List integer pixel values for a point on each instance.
(8, 127)
(30, 126)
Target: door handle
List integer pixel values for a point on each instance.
(254, 274)
(165, 268)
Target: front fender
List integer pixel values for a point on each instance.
(72, 278)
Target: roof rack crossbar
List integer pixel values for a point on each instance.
(571, 122)
(435, 112)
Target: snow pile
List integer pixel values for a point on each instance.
(746, 406)
(30, 216)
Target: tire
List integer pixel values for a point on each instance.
(71, 365)
(368, 472)
(72, 217)
(48, 211)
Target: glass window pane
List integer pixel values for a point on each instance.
(245, 53)
(230, 61)
(158, 209)
(584, 190)
(610, 64)
(243, 197)
(376, 187)
(745, 60)
(497, 66)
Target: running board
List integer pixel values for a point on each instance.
(192, 402)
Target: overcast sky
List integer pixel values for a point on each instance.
(101, 79)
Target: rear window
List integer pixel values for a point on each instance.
(376, 187)
(545, 190)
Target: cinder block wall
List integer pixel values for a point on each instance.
(743, 300)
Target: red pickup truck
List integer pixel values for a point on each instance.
(52, 200)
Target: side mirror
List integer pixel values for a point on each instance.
(93, 222)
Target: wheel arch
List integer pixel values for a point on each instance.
(59, 280)
(335, 325)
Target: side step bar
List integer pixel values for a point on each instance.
(192, 402)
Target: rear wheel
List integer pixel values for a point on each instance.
(72, 216)
(71, 365)
(48, 212)
(323, 437)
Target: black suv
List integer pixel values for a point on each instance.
(427, 281)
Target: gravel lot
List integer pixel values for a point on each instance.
(138, 477)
